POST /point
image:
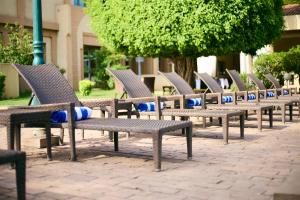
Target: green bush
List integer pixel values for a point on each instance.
(85, 87)
(277, 64)
(2, 79)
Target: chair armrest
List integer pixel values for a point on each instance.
(47, 107)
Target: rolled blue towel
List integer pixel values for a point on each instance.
(251, 96)
(227, 99)
(190, 103)
(80, 113)
(149, 106)
(285, 92)
(270, 94)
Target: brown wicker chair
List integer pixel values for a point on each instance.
(182, 87)
(138, 92)
(282, 104)
(53, 90)
(276, 85)
(18, 158)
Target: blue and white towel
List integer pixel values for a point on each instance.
(190, 103)
(81, 113)
(149, 106)
(270, 94)
(251, 96)
(285, 92)
(227, 99)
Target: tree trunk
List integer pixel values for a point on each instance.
(185, 68)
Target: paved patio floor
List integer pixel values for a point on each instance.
(249, 168)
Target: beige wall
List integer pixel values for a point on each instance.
(8, 8)
(11, 88)
(292, 22)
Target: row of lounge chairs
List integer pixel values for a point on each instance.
(54, 92)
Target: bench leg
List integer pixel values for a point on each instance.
(116, 141)
(21, 177)
(156, 139)
(225, 124)
(17, 133)
(271, 117)
(259, 119)
(283, 109)
(204, 122)
(242, 125)
(189, 134)
(62, 135)
(291, 112)
(48, 140)
(72, 143)
(298, 109)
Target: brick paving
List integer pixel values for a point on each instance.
(249, 168)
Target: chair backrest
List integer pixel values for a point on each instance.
(180, 85)
(47, 83)
(257, 82)
(234, 75)
(273, 80)
(131, 83)
(211, 83)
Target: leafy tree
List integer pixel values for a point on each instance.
(185, 29)
(19, 46)
(278, 63)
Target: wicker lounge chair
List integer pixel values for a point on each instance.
(282, 104)
(53, 90)
(276, 85)
(182, 87)
(138, 93)
(18, 158)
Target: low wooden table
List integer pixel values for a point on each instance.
(13, 118)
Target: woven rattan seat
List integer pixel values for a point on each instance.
(54, 92)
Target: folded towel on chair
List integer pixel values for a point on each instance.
(149, 106)
(270, 94)
(227, 99)
(285, 92)
(251, 96)
(81, 113)
(190, 103)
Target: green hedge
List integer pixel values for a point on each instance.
(85, 87)
(2, 79)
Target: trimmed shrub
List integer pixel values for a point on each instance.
(2, 79)
(85, 87)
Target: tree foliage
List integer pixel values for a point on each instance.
(19, 46)
(278, 63)
(185, 28)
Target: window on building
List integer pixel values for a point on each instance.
(89, 61)
(79, 3)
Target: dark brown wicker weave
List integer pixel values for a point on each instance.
(19, 160)
(276, 85)
(139, 93)
(52, 89)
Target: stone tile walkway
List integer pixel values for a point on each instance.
(249, 168)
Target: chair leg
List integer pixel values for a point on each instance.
(21, 177)
(189, 135)
(48, 140)
(283, 109)
(72, 143)
(157, 143)
(291, 112)
(271, 117)
(17, 137)
(242, 125)
(225, 129)
(259, 119)
(204, 122)
(116, 141)
(61, 137)
(82, 134)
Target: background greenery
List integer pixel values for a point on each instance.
(291, 1)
